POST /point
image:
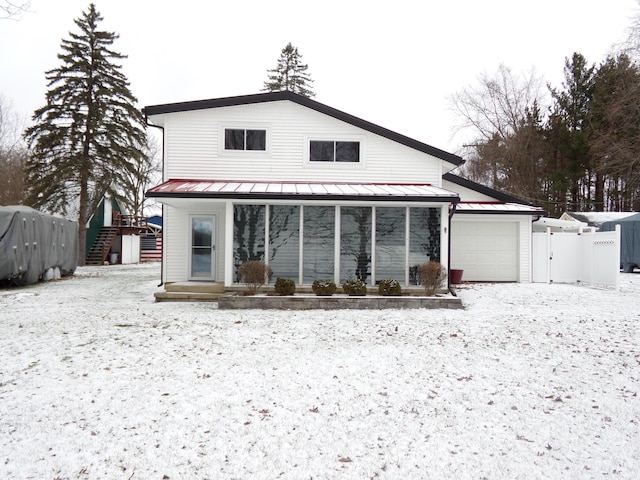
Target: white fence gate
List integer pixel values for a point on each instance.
(591, 258)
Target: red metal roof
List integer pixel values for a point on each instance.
(176, 188)
(510, 208)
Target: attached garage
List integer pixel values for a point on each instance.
(486, 250)
(490, 233)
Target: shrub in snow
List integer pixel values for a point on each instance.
(323, 287)
(255, 274)
(389, 287)
(431, 276)
(285, 286)
(354, 287)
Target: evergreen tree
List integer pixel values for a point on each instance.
(89, 135)
(290, 74)
(570, 132)
(615, 141)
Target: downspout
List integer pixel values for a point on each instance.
(146, 121)
(452, 211)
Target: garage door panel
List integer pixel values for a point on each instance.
(486, 251)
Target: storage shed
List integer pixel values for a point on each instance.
(629, 240)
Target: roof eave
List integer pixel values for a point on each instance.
(302, 197)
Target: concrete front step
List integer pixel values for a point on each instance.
(186, 296)
(194, 287)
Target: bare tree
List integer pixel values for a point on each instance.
(13, 10)
(134, 184)
(502, 114)
(498, 104)
(13, 155)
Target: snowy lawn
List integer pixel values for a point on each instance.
(529, 381)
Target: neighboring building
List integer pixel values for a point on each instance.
(320, 194)
(151, 240)
(594, 219)
(113, 236)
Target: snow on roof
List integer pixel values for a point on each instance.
(557, 225)
(512, 208)
(595, 219)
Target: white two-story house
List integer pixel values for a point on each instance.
(320, 194)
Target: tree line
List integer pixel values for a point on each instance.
(578, 152)
(89, 138)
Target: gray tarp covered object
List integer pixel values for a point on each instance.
(34, 243)
(629, 240)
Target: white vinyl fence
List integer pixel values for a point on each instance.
(591, 258)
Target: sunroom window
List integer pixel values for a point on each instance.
(334, 151)
(245, 139)
(308, 242)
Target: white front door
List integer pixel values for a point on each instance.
(202, 264)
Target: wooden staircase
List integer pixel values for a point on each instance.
(102, 245)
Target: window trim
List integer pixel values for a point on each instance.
(222, 133)
(360, 139)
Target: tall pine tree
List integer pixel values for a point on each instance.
(570, 133)
(290, 74)
(89, 135)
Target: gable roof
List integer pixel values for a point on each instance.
(490, 192)
(308, 103)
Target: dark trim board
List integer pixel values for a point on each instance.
(477, 187)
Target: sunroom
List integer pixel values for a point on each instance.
(309, 231)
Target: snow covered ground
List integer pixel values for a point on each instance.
(529, 381)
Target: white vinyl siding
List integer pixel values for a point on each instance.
(466, 194)
(176, 239)
(492, 247)
(193, 148)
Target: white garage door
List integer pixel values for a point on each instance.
(486, 251)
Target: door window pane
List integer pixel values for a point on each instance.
(284, 241)
(424, 239)
(248, 234)
(202, 233)
(390, 243)
(318, 243)
(201, 262)
(355, 243)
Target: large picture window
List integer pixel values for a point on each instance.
(355, 243)
(284, 241)
(424, 239)
(318, 243)
(330, 151)
(391, 243)
(244, 139)
(299, 241)
(248, 234)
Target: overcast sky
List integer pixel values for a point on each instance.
(391, 63)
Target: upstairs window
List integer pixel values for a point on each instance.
(330, 151)
(245, 139)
